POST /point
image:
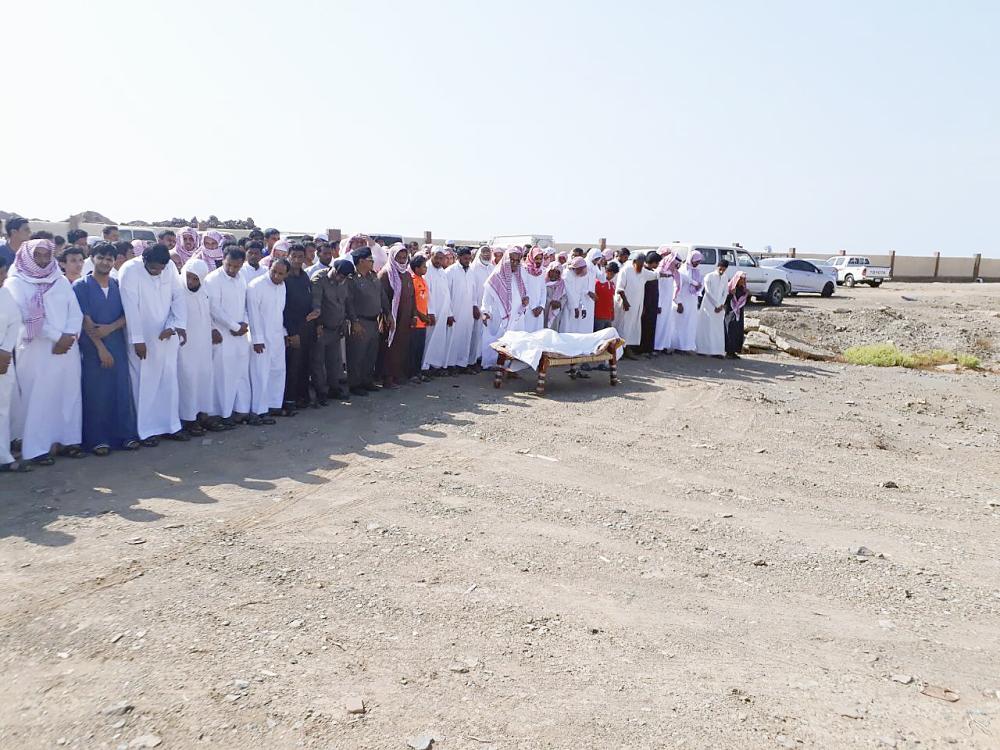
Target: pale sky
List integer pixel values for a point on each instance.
(866, 126)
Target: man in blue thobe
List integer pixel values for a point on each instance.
(109, 421)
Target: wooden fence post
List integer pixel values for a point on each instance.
(975, 266)
(892, 262)
(791, 252)
(603, 243)
(427, 238)
(937, 262)
(841, 252)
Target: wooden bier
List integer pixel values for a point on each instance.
(554, 359)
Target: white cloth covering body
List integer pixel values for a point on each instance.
(480, 272)
(265, 306)
(231, 358)
(527, 348)
(439, 305)
(152, 305)
(663, 338)
(710, 337)
(194, 360)
(633, 284)
(462, 293)
(48, 405)
(686, 323)
(10, 329)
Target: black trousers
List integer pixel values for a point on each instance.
(362, 351)
(418, 338)
(327, 362)
(297, 366)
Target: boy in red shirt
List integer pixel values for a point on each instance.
(604, 305)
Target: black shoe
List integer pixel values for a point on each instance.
(371, 387)
(150, 442)
(359, 391)
(180, 436)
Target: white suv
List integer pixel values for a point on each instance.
(768, 284)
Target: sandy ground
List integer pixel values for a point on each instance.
(665, 564)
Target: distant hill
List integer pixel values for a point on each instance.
(90, 217)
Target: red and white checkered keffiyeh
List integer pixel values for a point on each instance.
(500, 281)
(43, 277)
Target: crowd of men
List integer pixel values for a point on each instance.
(111, 345)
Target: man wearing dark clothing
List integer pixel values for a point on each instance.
(331, 299)
(299, 329)
(368, 303)
(650, 306)
(398, 285)
(18, 232)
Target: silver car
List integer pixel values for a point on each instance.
(805, 275)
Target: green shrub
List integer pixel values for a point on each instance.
(890, 355)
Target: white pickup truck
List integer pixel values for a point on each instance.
(768, 284)
(857, 269)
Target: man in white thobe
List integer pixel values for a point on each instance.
(711, 336)
(227, 301)
(156, 322)
(439, 305)
(10, 329)
(578, 317)
(196, 395)
(462, 291)
(49, 409)
(505, 302)
(480, 269)
(533, 273)
(252, 268)
(664, 335)
(265, 311)
(630, 294)
(686, 303)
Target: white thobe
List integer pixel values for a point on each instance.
(663, 338)
(152, 305)
(555, 315)
(49, 405)
(10, 329)
(265, 311)
(499, 323)
(462, 293)
(711, 333)
(686, 322)
(480, 272)
(248, 273)
(439, 305)
(578, 317)
(227, 299)
(194, 361)
(535, 287)
(633, 284)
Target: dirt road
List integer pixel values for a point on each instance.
(671, 563)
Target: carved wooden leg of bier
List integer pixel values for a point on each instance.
(498, 378)
(614, 369)
(543, 374)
